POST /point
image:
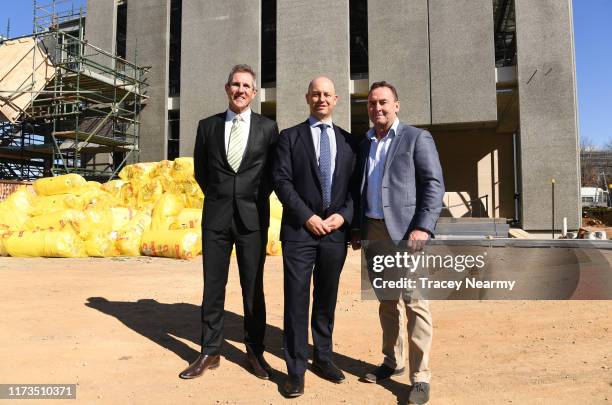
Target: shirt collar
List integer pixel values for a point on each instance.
(245, 115)
(371, 134)
(313, 122)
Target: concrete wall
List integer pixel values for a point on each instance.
(403, 58)
(312, 39)
(462, 61)
(101, 24)
(148, 37)
(547, 103)
(477, 163)
(216, 35)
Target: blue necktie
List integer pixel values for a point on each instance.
(325, 166)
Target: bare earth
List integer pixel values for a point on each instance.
(122, 329)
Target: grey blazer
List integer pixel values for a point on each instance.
(412, 184)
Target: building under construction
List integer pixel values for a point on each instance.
(66, 106)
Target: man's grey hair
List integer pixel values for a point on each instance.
(244, 68)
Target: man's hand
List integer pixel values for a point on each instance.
(317, 226)
(416, 240)
(334, 221)
(356, 239)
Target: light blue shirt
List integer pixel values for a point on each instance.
(316, 139)
(376, 165)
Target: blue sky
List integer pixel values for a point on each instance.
(593, 58)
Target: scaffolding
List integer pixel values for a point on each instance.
(85, 118)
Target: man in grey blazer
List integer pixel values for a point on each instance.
(401, 199)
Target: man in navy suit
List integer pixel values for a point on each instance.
(312, 175)
(401, 199)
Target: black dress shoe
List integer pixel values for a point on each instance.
(203, 362)
(382, 373)
(259, 365)
(419, 393)
(328, 370)
(294, 386)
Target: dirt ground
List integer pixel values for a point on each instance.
(122, 329)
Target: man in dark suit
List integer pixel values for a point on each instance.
(312, 174)
(401, 199)
(232, 161)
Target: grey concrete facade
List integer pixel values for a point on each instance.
(403, 58)
(148, 39)
(101, 28)
(216, 35)
(440, 54)
(547, 102)
(462, 61)
(312, 39)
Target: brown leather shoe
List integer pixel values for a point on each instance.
(259, 365)
(203, 362)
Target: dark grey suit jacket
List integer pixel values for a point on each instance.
(412, 184)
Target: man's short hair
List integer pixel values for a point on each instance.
(388, 85)
(243, 68)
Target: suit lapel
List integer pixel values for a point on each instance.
(219, 133)
(339, 156)
(364, 150)
(252, 139)
(393, 147)
(306, 137)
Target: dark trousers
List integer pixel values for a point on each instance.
(323, 262)
(251, 254)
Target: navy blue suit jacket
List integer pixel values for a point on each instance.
(295, 177)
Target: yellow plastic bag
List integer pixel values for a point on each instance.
(137, 171)
(273, 247)
(164, 211)
(102, 244)
(47, 204)
(59, 185)
(129, 237)
(57, 221)
(113, 187)
(182, 169)
(20, 200)
(188, 218)
(11, 218)
(3, 236)
(276, 208)
(45, 244)
(148, 193)
(178, 244)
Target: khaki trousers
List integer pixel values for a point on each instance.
(398, 315)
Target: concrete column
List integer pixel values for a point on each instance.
(548, 121)
(148, 38)
(312, 39)
(216, 35)
(402, 58)
(101, 24)
(462, 61)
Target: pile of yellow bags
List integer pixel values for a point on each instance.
(153, 209)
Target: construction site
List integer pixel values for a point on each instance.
(66, 106)
(100, 215)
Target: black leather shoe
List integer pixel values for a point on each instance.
(328, 370)
(203, 362)
(294, 386)
(259, 365)
(381, 373)
(419, 393)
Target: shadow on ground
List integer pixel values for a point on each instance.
(164, 323)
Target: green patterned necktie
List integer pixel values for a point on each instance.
(235, 147)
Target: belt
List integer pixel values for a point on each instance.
(375, 219)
